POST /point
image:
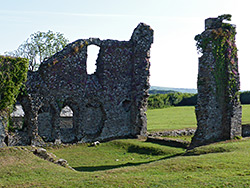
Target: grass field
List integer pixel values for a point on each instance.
(130, 163)
(171, 118)
(134, 163)
(245, 114)
(181, 117)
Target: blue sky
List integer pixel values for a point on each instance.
(174, 60)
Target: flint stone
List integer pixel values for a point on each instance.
(218, 110)
(109, 104)
(3, 124)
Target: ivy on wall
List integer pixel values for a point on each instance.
(13, 74)
(222, 42)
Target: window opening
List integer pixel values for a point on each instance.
(17, 117)
(66, 118)
(93, 52)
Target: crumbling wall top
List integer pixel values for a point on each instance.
(142, 36)
(107, 104)
(218, 108)
(213, 23)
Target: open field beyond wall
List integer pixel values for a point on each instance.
(180, 118)
(134, 163)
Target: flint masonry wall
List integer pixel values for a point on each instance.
(108, 104)
(218, 109)
(3, 125)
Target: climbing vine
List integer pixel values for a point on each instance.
(222, 42)
(13, 74)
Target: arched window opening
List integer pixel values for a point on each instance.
(66, 118)
(45, 123)
(18, 111)
(93, 52)
(17, 117)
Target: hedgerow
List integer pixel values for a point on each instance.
(183, 99)
(171, 99)
(13, 74)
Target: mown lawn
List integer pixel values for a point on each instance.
(181, 117)
(114, 154)
(135, 163)
(139, 164)
(171, 118)
(245, 114)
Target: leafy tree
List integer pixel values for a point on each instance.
(40, 46)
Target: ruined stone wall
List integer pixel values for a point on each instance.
(108, 104)
(3, 125)
(218, 108)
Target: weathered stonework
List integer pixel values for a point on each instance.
(108, 104)
(218, 108)
(3, 125)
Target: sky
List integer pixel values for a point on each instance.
(174, 58)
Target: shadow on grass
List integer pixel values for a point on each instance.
(109, 167)
(194, 152)
(177, 143)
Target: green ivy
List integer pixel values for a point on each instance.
(222, 41)
(13, 74)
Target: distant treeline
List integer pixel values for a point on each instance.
(182, 99)
(245, 97)
(171, 99)
(155, 91)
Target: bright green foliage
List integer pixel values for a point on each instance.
(171, 99)
(13, 74)
(183, 99)
(39, 46)
(157, 101)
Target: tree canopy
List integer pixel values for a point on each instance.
(40, 46)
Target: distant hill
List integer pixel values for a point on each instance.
(170, 89)
(155, 91)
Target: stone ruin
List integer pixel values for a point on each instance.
(3, 124)
(111, 103)
(218, 109)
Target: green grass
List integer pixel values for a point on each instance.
(224, 164)
(180, 118)
(171, 118)
(245, 114)
(135, 163)
(114, 154)
(184, 137)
